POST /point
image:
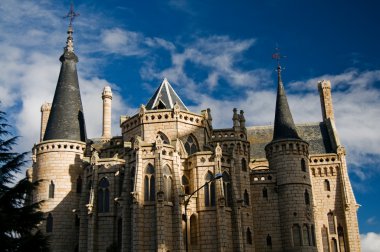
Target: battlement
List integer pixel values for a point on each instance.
(296, 147)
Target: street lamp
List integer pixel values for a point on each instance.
(217, 176)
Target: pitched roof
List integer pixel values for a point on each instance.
(66, 119)
(316, 134)
(164, 98)
(284, 127)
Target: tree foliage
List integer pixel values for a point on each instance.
(19, 218)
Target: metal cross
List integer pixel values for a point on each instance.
(72, 14)
(277, 56)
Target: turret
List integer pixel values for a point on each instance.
(288, 155)
(235, 120)
(107, 107)
(58, 158)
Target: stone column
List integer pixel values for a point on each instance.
(45, 112)
(107, 105)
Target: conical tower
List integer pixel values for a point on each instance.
(288, 155)
(58, 158)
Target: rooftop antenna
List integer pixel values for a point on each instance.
(71, 14)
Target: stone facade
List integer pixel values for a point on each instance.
(133, 187)
(172, 182)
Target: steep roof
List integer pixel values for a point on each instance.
(164, 98)
(316, 134)
(284, 127)
(66, 119)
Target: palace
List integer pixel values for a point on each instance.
(173, 182)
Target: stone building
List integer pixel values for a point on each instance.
(262, 188)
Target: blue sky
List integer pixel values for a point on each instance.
(216, 54)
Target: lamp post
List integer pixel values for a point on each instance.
(217, 176)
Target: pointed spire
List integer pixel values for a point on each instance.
(164, 98)
(284, 127)
(66, 119)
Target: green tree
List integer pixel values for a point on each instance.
(18, 217)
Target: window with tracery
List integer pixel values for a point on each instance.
(227, 189)
(164, 138)
(209, 190)
(191, 145)
(168, 183)
(149, 184)
(103, 196)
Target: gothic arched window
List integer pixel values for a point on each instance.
(334, 245)
(303, 165)
(168, 183)
(331, 221)
(249, 236)
(185, 185)
(296, 231)
(243, 164)
(51, 189)
(325, 239)
(103, 196)
(49, 223)
(342, 245)
(149, 184)
(164, 138)
(246, 198)
(209, 190)
(191, 145)
(193, 230)
(227, 189)
(79, 184)
(326, 185)
(307, 197)
(306, 235)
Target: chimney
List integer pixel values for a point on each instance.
(45, 112)
(107, 105)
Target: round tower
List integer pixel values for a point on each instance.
(288, 156)
(58, 157)
(107, 106)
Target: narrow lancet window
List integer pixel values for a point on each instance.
(149, 184)
(104, 196)
(249, 236)
(49, 223)
(209, 190)
(79, 184)
(51, 190)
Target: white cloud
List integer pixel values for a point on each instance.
(120, 41)
(370, 242)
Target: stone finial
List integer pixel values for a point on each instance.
(242, 119)
(235, 119)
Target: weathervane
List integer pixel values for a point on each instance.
(72, 14)
(277, 56)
